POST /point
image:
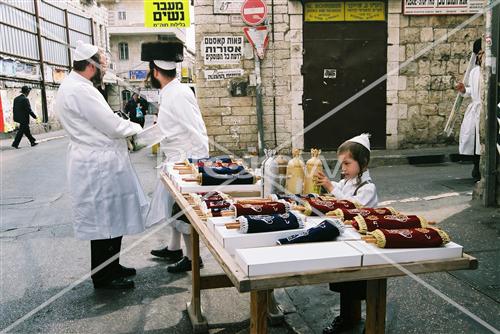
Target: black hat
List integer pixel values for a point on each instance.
(165, 55)
(25, 89)
(477, 46)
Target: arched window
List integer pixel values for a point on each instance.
(123, 51)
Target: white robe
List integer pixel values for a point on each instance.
(366, 194)
(106, 196)
(185, 136)
(469, 130)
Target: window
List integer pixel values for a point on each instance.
(126, 95)
(123, 51)
(122, 15)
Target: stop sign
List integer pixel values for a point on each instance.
(253, 12)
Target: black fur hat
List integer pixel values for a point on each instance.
(477, 46)
(171, 51)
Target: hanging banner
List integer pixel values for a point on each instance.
(221, 50)
(365, 11)
(166, 14)
(442, 7)
(324, 11)
(227, 6)
(223, 74)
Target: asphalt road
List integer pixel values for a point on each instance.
(40, 259)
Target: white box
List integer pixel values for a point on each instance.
(211, 222)
(297, 258)
(373, 255)
(193, 187)
(232, 239)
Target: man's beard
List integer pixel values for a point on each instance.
(155, 83)
(97, 77)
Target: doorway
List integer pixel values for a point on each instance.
(345, 50)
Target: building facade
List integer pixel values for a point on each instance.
(332, 70)
(44, 58)
(127, 32)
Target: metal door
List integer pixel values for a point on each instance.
(340, 60)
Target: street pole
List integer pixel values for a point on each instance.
(492, 31)
(260, 108)
(45, 114)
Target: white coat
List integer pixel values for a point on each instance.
(366, 194)
(185, 136)
(106, 196)
(469, 130)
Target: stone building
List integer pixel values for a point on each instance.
(372, 64)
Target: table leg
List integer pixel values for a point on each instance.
(195, 313)
(258, 312)
(375, 306)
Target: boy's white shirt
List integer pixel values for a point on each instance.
(366, 195)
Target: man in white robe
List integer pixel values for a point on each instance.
(469, 130)
(184, 136)
(106, 197)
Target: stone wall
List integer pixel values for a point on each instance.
(422, 91)
(231, 121)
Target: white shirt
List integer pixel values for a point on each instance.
(181, 123)
(366, 194)
(106, 196)
(185, 136)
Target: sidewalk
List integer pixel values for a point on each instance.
(7, 139)
(401, 157)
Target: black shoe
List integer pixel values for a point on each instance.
(14, 146)
(34, 144)
(182, 266)
(169, 255)
(116, 284)
(126, 272)
(338, 325)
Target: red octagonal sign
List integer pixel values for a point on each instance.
(253, 12)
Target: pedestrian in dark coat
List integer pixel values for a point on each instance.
(135, 110)
(22, 112)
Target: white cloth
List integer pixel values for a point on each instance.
(366, 194)
(469, 130)
(182, 125)
(106, 196)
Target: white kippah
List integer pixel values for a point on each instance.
(84, 51)
(363, 139)
(166, 65)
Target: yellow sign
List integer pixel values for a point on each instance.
(365, 11)
(166, 14)
(324, 11)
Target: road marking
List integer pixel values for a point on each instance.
(427, 198)
(49, 139)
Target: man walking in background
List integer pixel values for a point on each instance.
(22, 112)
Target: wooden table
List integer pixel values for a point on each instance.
(260, 286)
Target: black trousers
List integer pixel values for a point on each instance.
(175, 210)
(100, 252)
(24, 129)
